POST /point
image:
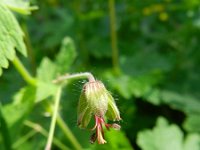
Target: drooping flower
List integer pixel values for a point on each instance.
(96, 100)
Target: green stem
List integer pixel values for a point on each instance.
(24, 73)
(24, 139)
(41, 130)
(68, 133)
(113, 35)
(29, 48)
(75, 76)
(53, 121)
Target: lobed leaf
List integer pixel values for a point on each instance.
(45, 74)
(17, 111)
(49, 70)
(66, 56)
(11, 37)
(20, 6)
(164, 137)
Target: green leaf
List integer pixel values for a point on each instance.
(186, 103)
(141, 63)
(128, 86)
(66, 56)
(46, 71)
(115, 140)
(20, 6)
(11, 37)
(192, 123)
(99, 47)
(192, 141)
(164, 137)
(45, 74)
(153, 96)
(4, 131)
(49, 70)
(16, 112)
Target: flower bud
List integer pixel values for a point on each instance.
(96, 101)
(93, 101)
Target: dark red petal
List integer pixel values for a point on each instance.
(93, 138)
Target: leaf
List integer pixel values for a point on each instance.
(153, 96)
(183, 102)
(192, 141)
(128, 86)
(11, 37)
(45, 74)
(186, 103)
(20, 6)
(49, 70)
(145, 62)
(99, 46)
(118, 140)
(120, 84)
(115, 140)
(17, 111)
(4, 131)
(192, 123)
(46, 71)
(164, 137)
(66, 56)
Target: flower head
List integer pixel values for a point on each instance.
(95, 100)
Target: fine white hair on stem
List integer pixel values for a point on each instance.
(87, 75)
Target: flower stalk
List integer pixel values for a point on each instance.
(53, 121)
(87, 75)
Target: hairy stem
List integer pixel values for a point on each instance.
(67, 132)
(113, 35)
(53, 121)
(87, 75)
(23, 71)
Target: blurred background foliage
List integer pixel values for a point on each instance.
(155, 78)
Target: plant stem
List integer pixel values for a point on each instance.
(68, 133)
(53, 121)
(113, 35)
(41, 130)
(23, 71)
(29, 48)
(75, 76)
(24, 139)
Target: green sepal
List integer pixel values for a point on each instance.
(112, 112)
(83, 113)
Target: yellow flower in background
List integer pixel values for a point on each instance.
(157, 7)
(163, 16)
(147, 11)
